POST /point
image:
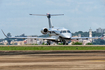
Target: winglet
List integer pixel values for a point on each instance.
(4, 33)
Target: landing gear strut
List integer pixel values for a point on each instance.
(65, 42)
(48, 43)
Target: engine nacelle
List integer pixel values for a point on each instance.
(44, 31)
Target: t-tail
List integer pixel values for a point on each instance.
(48, 16)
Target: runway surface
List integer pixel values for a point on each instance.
(39, 60)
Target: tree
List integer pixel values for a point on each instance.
(1, 44)
(1, 40)
(20, 39)
(22, 35)
(99, 42)
(86, 34)
(76, 43)
(9, 35)
(89, 44)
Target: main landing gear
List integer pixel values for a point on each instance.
(65, 42)
(48, 43)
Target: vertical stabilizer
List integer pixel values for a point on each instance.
(49, 16)
(50, 26)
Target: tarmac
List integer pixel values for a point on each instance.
(52, 60)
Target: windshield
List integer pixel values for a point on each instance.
(68, 31)
(65, 31)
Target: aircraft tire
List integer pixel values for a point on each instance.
(64, 43)
(48, 42)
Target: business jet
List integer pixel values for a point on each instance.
(56, 34)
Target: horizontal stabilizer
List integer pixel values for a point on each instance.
(56, 14)
(38, 14)
(47, 14)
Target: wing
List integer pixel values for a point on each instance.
(85, 37)
(44, 38)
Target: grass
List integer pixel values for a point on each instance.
(52, 48)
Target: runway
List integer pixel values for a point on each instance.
(52, 60)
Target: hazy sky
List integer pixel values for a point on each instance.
(79, 15)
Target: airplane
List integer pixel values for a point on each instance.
(56, 34)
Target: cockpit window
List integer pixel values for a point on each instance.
(68, 31)
(61, 32)
(53, 32)
(65, 31)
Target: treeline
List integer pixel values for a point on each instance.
(9, 35)
(86, 34)
(94, 34)
(99, 42)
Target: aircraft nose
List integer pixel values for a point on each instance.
(67, 35)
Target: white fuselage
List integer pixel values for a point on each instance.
(60, 33)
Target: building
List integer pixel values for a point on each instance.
(31, 41)
(90, 34)
(18, 42)
(99, 30)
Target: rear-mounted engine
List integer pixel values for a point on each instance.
(44, 31)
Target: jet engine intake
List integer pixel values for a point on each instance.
(44, 31)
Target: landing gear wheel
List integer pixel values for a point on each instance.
(64, 42)
(48, 42)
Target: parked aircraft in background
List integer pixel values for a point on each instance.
(56, 34)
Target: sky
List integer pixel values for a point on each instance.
(79, 15)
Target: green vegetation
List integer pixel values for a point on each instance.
(53, 48)
(76, 43)
(1, 44)
(60, 43)
(33, 44)
(1, 40)
(83, 34)
(89, 44)
(44, 44)
(99, 42)
(86, 34)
